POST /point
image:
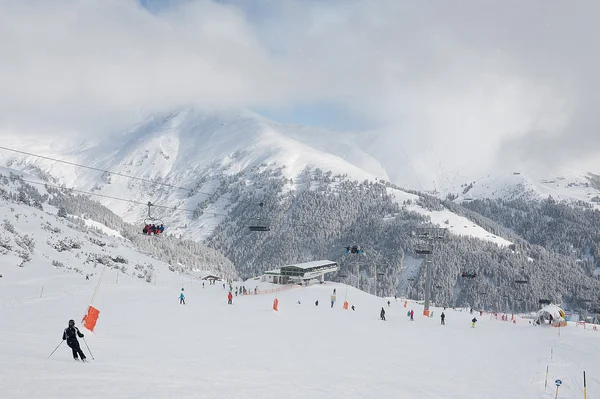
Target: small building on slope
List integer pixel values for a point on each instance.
(301, 272)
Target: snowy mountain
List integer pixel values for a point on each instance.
(193, 150)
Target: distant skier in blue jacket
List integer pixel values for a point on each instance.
(181, 298)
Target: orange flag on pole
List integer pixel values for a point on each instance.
(90, 319)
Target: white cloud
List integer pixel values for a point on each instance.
(452, 82)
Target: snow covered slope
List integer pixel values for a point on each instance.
(34, 241)
(445, 218)
(147, 345)
(569, 185)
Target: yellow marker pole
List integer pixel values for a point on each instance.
(556, 396)
(41, 292)
(584, 387)
(551, 353)
(546, 383)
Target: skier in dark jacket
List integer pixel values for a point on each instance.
(443, 317)
(70, 334)
(382, 314)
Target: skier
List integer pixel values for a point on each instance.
(382, 314)
(203, 284)
(334, 291)
(181, 298)
(388, 304)
(353, 307)
(473, 322)
(443, 317)
(412, 315)
(229, 298)
(317, 302)
(70, 334)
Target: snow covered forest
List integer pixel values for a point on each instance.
(180, 255)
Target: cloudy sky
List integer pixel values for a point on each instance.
(462, 85)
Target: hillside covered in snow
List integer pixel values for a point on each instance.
(47, 230)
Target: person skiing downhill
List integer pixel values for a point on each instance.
(229, 298)
(443, 317)
(181, 298)
(412, 315)
(473, 322)
(70, 334)
(382, 314)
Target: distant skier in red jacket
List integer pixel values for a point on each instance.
(230, 298)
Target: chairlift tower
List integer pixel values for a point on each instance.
(428, 235)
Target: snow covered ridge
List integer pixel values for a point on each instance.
(575, 186)
(35, 232)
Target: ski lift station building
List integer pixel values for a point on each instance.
(300, 272)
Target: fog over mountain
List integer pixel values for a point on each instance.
(451, 89)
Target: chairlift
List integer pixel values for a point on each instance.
(522, 279)
(157, 226)
(431, 233)
(354, 249)
(150, 219)
(424, 249)
(260, 224)
(468, 274)
(544, 301)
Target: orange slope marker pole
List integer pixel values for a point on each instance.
(91, 317)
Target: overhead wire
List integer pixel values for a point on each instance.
(102, 170)
(174, 208)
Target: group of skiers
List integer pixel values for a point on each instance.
(153, 229)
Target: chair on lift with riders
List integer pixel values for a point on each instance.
(355, 249)
(152, 225)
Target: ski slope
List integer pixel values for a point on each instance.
(146, 345)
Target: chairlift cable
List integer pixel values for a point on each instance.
(103, 170)
(118, 198)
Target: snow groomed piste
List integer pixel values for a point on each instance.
(146, 344)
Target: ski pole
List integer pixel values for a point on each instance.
(88, 348)
(55, 349)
